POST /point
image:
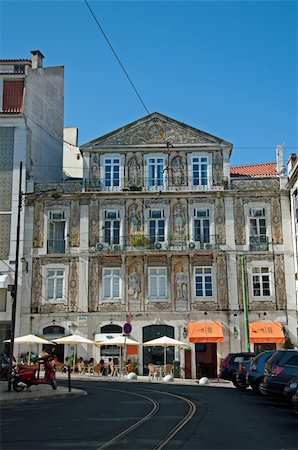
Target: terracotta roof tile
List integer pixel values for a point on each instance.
(254, 170)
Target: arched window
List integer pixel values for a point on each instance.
(111, 328)
(155, 355)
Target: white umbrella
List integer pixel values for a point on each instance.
(119, 341)
(165, 342)
(73, 339)
(30, 339)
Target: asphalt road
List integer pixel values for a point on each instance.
(224, 418)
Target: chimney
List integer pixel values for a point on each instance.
(280, 168)
(37, 59)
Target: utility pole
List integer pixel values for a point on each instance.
(15, 287)
(245, 306)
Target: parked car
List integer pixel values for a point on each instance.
(240, 381)
(279, 369)
(255, 372)
(290, 389)
(295, 401)
(230, 365)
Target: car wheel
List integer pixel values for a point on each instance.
(239, 385)
(256, 386)
(261, 389)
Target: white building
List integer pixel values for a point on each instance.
(164, 234)
(31, 126)
(72, 157)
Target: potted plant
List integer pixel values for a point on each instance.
(139, 239)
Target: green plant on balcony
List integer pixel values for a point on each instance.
(139, 239)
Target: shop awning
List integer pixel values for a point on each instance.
(205, 332)
(262, 332)
(3, 280)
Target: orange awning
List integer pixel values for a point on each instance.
(132, 349)
(205, 332)
(262, 332)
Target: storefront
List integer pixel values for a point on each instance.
(265, 335)
(205, 336)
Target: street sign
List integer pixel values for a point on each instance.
(127, 328)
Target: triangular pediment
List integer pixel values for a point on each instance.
(155, 129)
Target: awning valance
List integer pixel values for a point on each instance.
(3, 280)
(266, 332)
(205, 332)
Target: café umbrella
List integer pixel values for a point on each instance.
(30, 339)
(164, 341)
(73, 339)
(119, 341)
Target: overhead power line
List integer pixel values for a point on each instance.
(116, 56)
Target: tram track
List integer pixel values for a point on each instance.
(170, 434)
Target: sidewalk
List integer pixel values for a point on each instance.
(41, 391)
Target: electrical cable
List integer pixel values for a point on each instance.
(116, 56)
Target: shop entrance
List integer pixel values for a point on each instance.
(50, 333)
(155, 355)
(206, 360)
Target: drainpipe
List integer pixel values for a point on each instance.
(245, 306)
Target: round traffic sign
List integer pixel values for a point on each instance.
(127, 328)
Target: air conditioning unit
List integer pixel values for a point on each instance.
(116, 247)
(192, 245)
(208, 246)
(158, 245)
(100, 246)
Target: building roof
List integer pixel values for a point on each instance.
(255, 170)
(15, 60)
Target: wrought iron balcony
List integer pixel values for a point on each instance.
(258, 243)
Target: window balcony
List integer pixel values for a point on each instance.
(56, 246)
(258, 243)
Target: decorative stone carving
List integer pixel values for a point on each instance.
(94, 173)
(36, 291)
(38, 225)
(220, 227)
(135, 218)
(204, 306)
(73, 285)
(276, 221)
(53, 308)
(60, 188)
(112, 307)
(74, 225)
(93, 223)
(134, 173)
(93, 275)
(134, 282)
(280, 284)
(157, 306)
(180, 282)
(239, 224)
(156, 131)
(179, 220)
(255, 185)
(217, 169)
(177, 172)
(222, 288)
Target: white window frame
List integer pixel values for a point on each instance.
(113, 275)
(259, 264)
(54, 267)
(158, 277)
(200, 156)
(112, 156)
(247, 211)
(205, 274)
(155, 186)
(65, 213)
(112, 220)
(163, 217)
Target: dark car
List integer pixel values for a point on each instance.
(279, 369)
(255, 373)
(295, 401)
(290, 389)
(230, 365)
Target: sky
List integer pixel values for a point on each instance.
(225, 67)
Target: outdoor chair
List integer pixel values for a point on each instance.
(167, 369)
(152, 372)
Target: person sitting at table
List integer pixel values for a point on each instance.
(111, 367)
(81, 365)
(91, 365)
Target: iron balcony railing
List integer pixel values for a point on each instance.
(147, 185)
(144, 242)
(258, 243)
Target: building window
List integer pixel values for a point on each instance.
(156, 167)
(257, 228)
(203, 282)
(111, 283)
(13, 95)
(261, 282)
(55, 284)
(200, 171)
(112, 227)
(202, 225)
(157, 279)
(156, 225)
(112, 172)
(56, 232)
